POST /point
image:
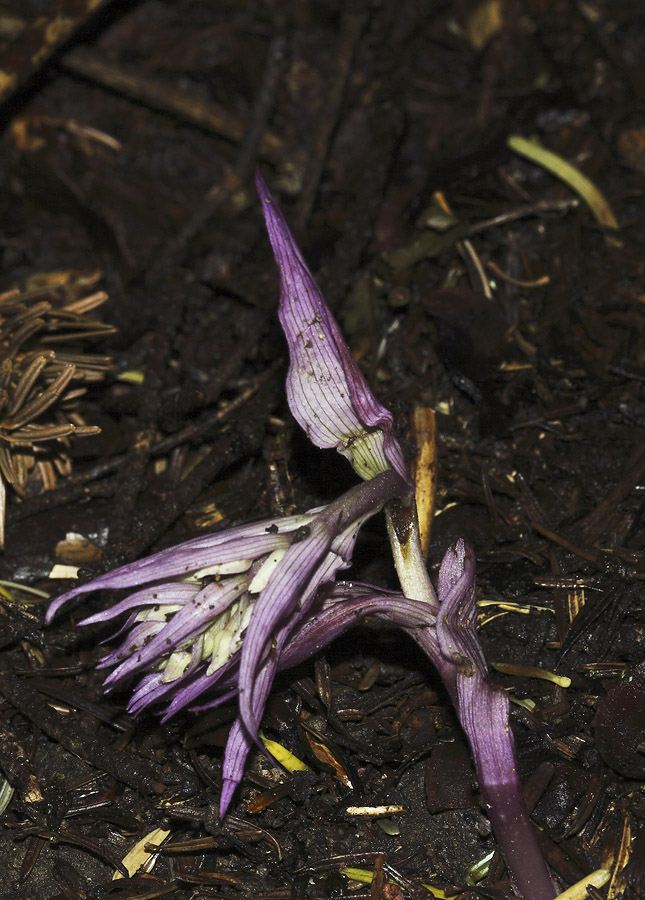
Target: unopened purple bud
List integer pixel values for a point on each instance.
(326, 390)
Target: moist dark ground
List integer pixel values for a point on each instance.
(357, 113)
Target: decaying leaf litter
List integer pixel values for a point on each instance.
(385, 132)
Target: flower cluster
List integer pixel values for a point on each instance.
(195, 624)
(217, 616)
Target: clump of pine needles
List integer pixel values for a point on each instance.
(44, 372)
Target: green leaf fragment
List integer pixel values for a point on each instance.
(568, 173)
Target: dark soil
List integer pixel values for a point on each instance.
(131, 134)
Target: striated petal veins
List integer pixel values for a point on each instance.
(326, 390)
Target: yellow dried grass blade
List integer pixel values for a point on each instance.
(366, 876)
(425, 471)
(138, 857)
(283, 756)
(563, 170)
(578, 891)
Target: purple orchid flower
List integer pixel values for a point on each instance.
(188, 638)
(321, 359)
(223, 612)
(228, 600)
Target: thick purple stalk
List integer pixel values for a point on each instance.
(482, 709)
(483, 712)
(484, 718)
(517, 839)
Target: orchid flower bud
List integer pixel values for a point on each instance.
(326, 390)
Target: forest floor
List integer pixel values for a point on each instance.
(468, 280)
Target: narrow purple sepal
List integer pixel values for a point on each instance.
(237, 749)
(302, 570)
(186, 696)
(174, 592)
(184, 625)
(341, 605)
(241, 542)
(292, 584)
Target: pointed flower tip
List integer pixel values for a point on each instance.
(326, 390)
(457, 564)
(53, 608)
(261, 187)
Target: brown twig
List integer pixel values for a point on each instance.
(424, 432)
(37, 41)
(206, 114)
(351, 30)
(141, 776)
(250, 147)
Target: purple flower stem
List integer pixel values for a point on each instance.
(517, 839)
(493, 749)
(454, 648)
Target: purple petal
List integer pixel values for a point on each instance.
(237, 749)
(225, 678)
(241, 739)
(345, 604)
(137, 637)
(184, 625)
(326, 390)
(297, 577)
(187, 687)
(292, 583)
(172, 593)
(242, 542)
(150, 690)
